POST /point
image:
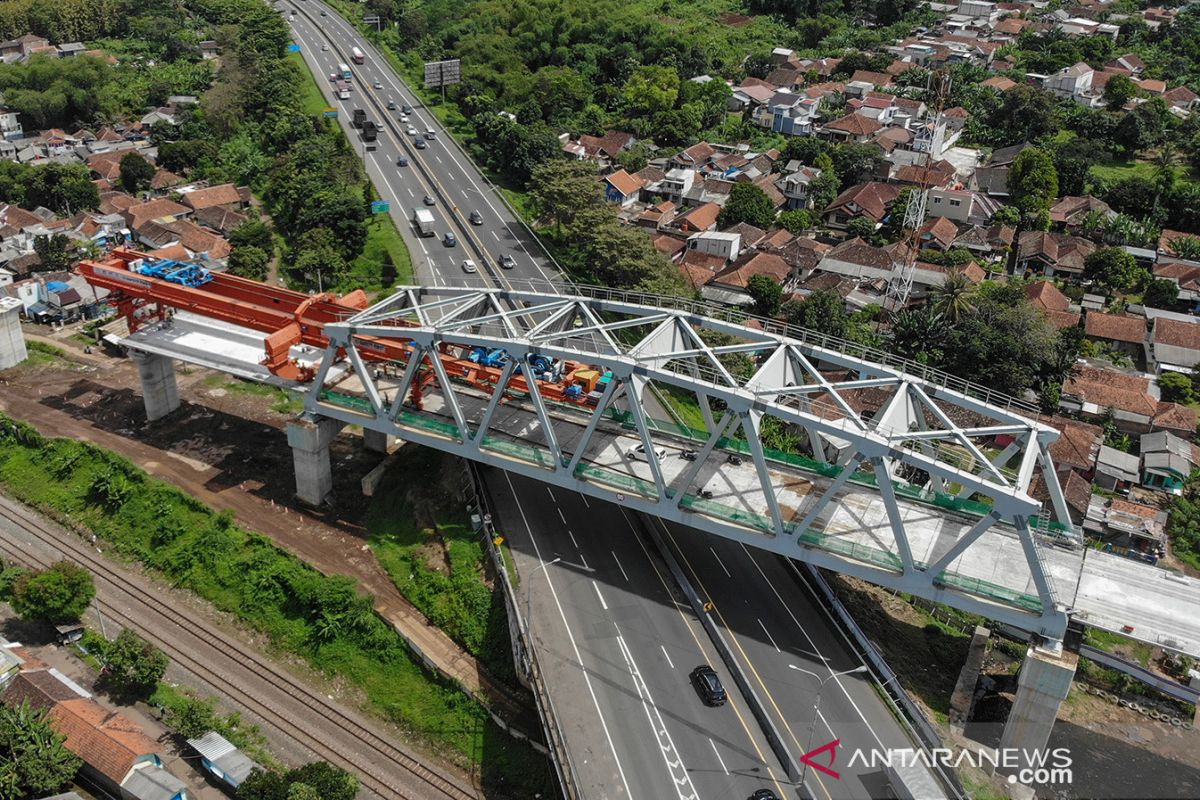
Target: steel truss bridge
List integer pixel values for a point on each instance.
(898, 497)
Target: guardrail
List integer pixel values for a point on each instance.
(906, 710)
(526, 654)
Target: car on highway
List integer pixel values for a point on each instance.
(476, 218)
(639, 453)
(402, 161)
(708, 685)
(430, 133)
(507, 261)
(391, 105)
(469, 266)
(378, 85)
(449, 239)
(429, 201)
(410, 130)
(763, 794)
(403, 118)
(419, 144)
(324, 46)
(323, 12)
(406, 108)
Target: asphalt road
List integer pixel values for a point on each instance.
(441, 170)
(616, 642)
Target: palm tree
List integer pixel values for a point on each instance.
(917, 333)
(953, 299)
(1186, 247)
(1164, 171)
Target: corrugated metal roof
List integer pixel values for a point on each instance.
(153, 783)
(219, 751)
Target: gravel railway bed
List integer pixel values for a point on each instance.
(383, 768)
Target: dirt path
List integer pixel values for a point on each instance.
(231, 462)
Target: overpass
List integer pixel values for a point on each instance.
(927, 495)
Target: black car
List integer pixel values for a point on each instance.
(402, 161)
(764, 794)
(708, 684)
(406, 109)
(449, 240)
(429, 201)
(391, 105)
(476, 218)
(419, 144)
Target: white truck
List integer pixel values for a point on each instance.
(423, 219)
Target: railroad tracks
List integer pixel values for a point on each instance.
(383, 768)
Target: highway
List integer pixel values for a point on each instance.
(441, 170)
(615, 636)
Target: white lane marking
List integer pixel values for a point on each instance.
(603, 604)
(585, 502)
(585, 563)
(560, 516)
(716, 753)
(680, 776)
(620, 566)
(815, 649)
(495, 236)
(572, 535)
(719, 561)
(667, 656)
(769, 636)
(574, 647)
(437, 159)
(550, 492)
(410, 191)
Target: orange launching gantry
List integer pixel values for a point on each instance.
(144, 288)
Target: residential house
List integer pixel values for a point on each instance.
(792, 114)
(1072, 213)
(967, 207)
(1074, 83)
(701, 218)
(70, 49)
(987, 244)
(1122, 523)
(872, 78)
(1175, 343)
(653, 217)
(675, 185)
(1078, 26)
(1130, 62)
(1077, 446)
(999, 83)
(1167, 237)
(1167, 461)
(1119, 332)
(1182, 99)
(727, 245)
(1091, 391)
(753, 94)
(199, 242)
(10, 125)
(938, 233)
(209, 49)
(219, 758)
(601, 149)
(17, 49)
(853, 127)
(1116, 471)
(936, 174)
(1076, 489)
(695, 157)
(164, 114)
(872, 200)
(1052, 254)
(801, 254)
(1045, 296)
(225, 196)
(619, 187)
(158, 210)
(750, 235)
(796, 185)
(729, 285)
(1184, 275)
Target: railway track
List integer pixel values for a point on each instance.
(199, 637)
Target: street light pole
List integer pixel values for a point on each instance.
(812, 728)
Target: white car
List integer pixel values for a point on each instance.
(411, 131)
(639, 453)
(324, 46)
(404, 118)
(378, 85)
(469, 266)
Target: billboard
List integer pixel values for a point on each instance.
(442, 73)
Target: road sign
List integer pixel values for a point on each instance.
(442, 73)
(380, 206)
(371, 20)
(330, 111)
(293, 48)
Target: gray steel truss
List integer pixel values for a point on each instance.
(803, 451)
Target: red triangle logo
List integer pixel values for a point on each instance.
(831, 748)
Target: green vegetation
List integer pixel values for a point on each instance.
(41, 353)
(132, 666)
(191, 715)
(33, 760)
(422, 537)
(319, 618)
(58, 594)
(1119, 645)
(1183, 523)
(315, 781)
(312, 102)
(284, 402)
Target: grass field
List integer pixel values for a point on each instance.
(1115, 171)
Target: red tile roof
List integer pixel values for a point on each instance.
(1046, 296)
(873, 198)
(1176, 333)
(854, 124)
(1175, 417)
(1078, 444)
(1111, 389)
(224, 195)
(873, 78)
(1115, 327)
(701, 218)
(109, 742)
(750, 264)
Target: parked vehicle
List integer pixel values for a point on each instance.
(708, 685)
(639, 453)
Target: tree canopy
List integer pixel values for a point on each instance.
(747, 203)
(33, 760)
(132, 666)
(60, 593)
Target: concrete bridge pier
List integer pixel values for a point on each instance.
(309, 438)
(160, 394)
(378, 441)
(1042, 685)
(12, 341)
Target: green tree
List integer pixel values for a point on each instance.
(822, 311)
(55, 252)
(823, 189)
(1006, 343)
(132, 666)
(1033, 181)
(249, 262)
(136, 172)
(651, 89)
(767, 294)
(917, 334)
(58, 594)
(1186, 247)
(192, 717)
(317, 779)
(1119, 90)
(64, 188)
(253, 233)
(747, 203)
(1161, 293)
(798, 220)
(560, 188)
(862, 227)
(317, 258)
(33, 760)
(1176, 387)
(1114, 269)
(954, 298)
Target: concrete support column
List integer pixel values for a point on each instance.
(12, 342)
(309, 438)
(377, 441)
(1042, 685)
(160, 394)
(963, 699)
